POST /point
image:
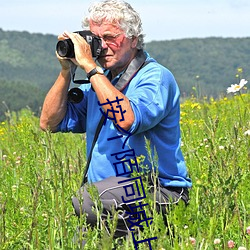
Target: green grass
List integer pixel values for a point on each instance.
(40, 172)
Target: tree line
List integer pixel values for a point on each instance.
(202, 67)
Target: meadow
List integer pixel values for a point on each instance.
(40, 172)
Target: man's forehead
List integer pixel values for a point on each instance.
(104, 27)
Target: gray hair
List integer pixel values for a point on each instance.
(120, 13)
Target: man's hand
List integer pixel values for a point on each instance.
(83, 54)
(66, 63)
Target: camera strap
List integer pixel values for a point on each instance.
(136, 64)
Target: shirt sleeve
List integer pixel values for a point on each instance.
(75, 118)
(153, 97)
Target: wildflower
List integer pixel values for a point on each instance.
(240, 70)
(230, 244)
(198, 182)
(248, 230)
(45, 216)
(216, 241)
(14, 188)
(242, 248)
(195, 106)
(192, 240)
(237, 87)
(247, 133)
(221, 147)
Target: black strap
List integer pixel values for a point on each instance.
(136, 64)
(97, 132)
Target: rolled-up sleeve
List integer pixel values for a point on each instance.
(75, 117)
(152, 98)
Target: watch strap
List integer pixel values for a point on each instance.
(93, 72)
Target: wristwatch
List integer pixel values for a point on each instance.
(96, 70)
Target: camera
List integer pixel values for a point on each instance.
(65, 48)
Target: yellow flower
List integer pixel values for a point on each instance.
(240, 70)
(195, 105)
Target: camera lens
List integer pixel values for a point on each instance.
(75, 95)
(65, 48)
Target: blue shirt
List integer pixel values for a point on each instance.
(154, 97)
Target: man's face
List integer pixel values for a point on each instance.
(118, 50)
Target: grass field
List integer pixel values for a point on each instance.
(40, 172)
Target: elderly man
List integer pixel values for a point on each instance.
(139, 101)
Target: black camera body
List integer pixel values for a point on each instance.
(65, 48)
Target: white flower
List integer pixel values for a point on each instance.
(22, 210)
(237, 87)
(246, 133)
(242, 248)
(192, 240)
(217, 241)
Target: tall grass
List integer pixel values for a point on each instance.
(40, 172)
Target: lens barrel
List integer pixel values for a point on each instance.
(65, 48)
(75, 95)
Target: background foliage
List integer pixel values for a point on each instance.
(40, 172)
(28, 66)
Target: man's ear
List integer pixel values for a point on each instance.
(134, 42)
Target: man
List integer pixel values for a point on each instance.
(139, 100)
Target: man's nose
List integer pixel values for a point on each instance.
(104, 44)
